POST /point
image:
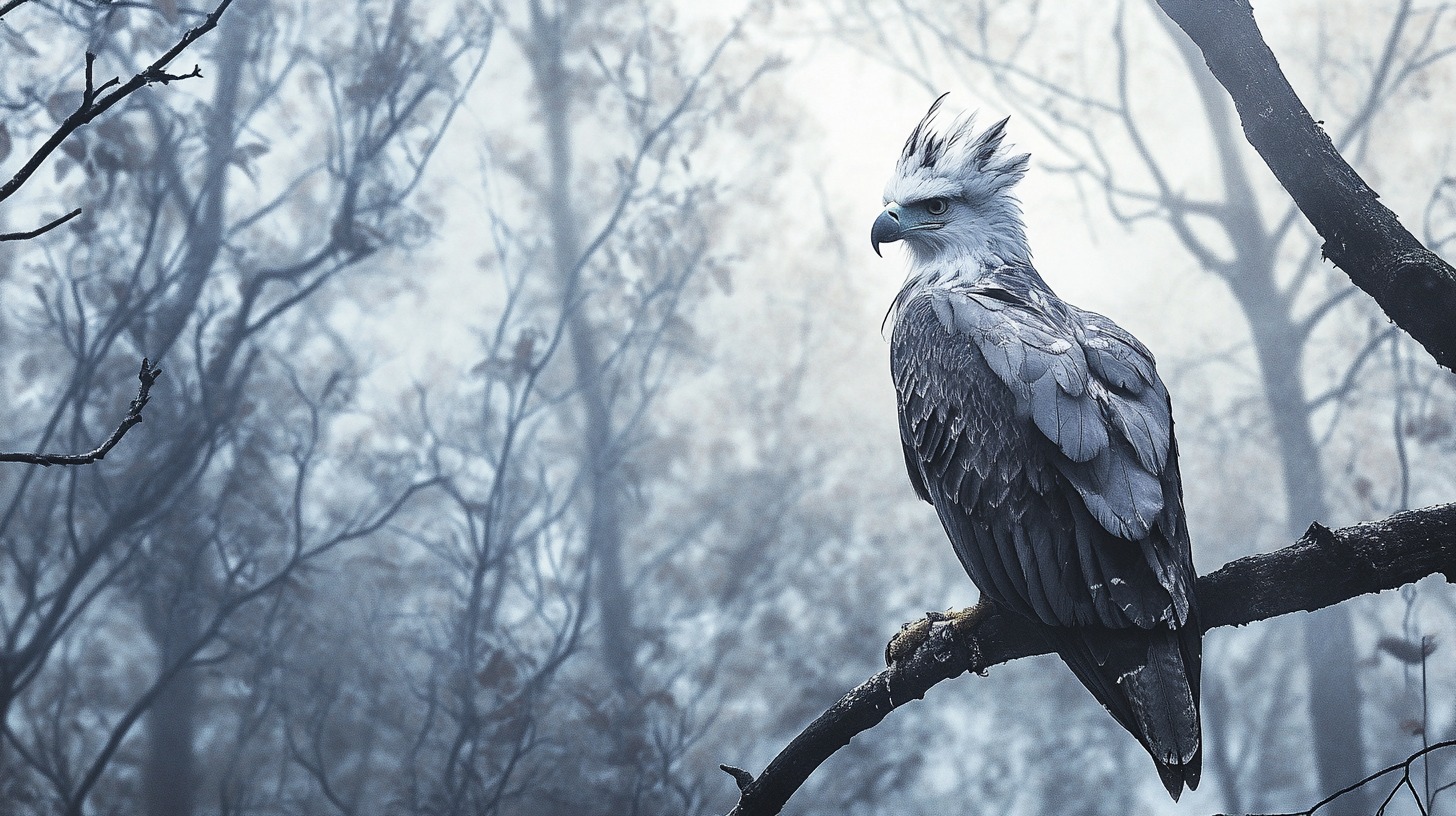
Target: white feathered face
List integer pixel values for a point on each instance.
(951, 192)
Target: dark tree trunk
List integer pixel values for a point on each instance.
(205, 221)
(169, 777)
(170, 774)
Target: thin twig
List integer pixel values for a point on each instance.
(1405, 780)
(26, 236)
(148, 377)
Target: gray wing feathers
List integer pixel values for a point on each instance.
(1123, 496)
(1136, 400)
(1077, 382)
(1087, 388)
(1044, 438)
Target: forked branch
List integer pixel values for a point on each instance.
(96, 100)
(1405, 782)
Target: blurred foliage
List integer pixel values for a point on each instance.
(334, 573)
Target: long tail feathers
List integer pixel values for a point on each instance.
(1148, 680)
(1166, 714)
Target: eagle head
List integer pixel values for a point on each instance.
(951, 193)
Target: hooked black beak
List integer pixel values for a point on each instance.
(887, 227)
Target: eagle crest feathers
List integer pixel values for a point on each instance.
(953, 160)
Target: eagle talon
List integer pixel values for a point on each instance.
(908, 640)
(917, 633)
(966, 620)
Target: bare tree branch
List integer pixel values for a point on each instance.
(1415, 287)
(26, 236)
(94, 100)
(1323, 568)
(1404, 782)
(11, 6)
(148, 377)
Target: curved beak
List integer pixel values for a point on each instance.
(887, 227)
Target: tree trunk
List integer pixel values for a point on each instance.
(170, 774)
(169, 777)
(205, 220)
(1334, 693)
(604, 525)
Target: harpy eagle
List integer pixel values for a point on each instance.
(1043, 436)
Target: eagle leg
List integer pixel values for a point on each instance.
(916, 633)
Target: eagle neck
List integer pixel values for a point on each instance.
(968, 272)
(957, 269)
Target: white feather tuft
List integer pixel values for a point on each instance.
(953, 160)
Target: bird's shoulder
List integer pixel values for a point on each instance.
(1024, 332)
(1008, 308)
(1074, 377)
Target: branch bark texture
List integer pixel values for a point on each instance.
(148, 378)
(1415, 287)
(95, 100)
(1323, 568)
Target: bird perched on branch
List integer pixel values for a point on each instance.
(1043, 436)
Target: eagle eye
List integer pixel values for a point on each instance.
(937, 206)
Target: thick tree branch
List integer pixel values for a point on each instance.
(1415, 287)
(1325, 567)
(148, 377)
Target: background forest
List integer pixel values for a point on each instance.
(525, 442)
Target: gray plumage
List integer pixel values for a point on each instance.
(1043, 437)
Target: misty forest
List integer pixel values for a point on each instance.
(483, 406)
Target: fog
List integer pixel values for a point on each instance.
(526, 444)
